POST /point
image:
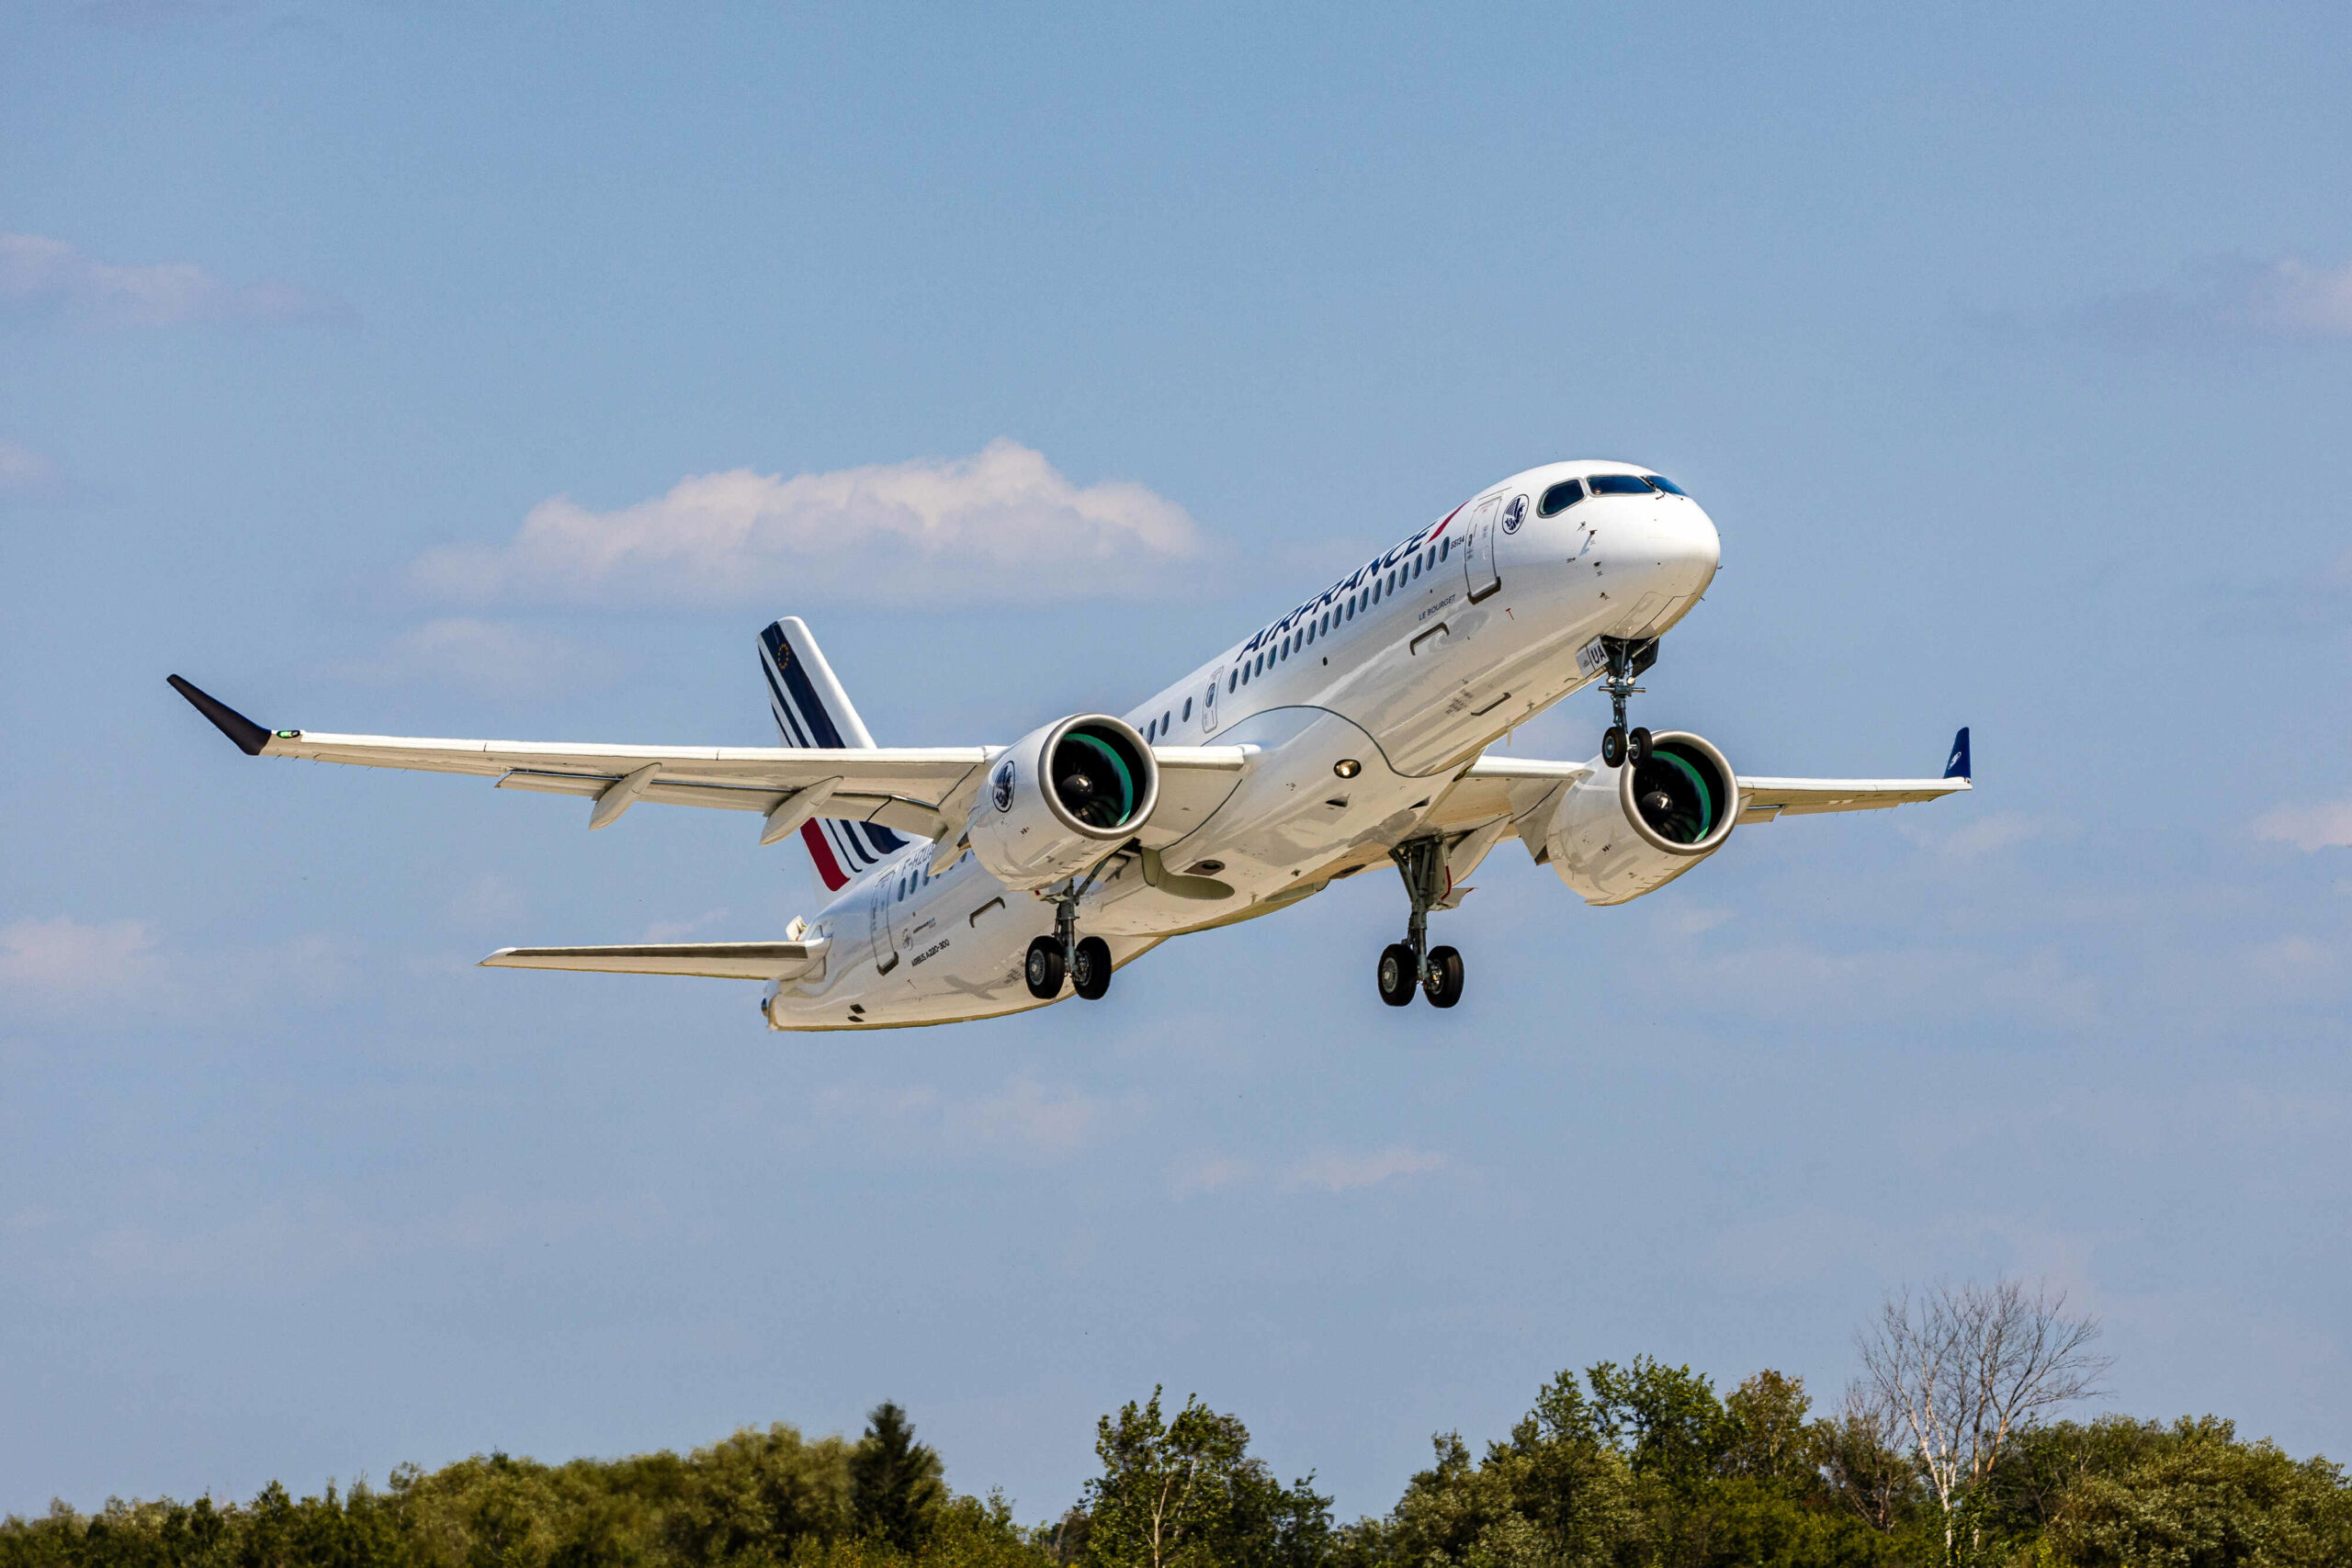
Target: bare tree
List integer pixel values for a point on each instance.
(1957, 1369)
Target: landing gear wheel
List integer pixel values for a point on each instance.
(1043, 969)
(1444, 982)
(1090, 967)
(1612, 746)
(1637, 746)
(1396, 974)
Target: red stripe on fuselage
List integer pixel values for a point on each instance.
(823, 854)
(1448, 517)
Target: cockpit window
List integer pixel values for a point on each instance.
(1560, 497)
(1668, 485)
(1618, 484)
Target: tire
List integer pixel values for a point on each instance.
(1043, 969)
(1396, 975)
(1613, 747)
(1444, 984)
(1637, 746)
(1089, 968)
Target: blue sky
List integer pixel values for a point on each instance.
(2009, 349)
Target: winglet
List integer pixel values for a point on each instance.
(250, 736)
(1955, 769)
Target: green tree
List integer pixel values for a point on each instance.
(1665, 1420)
(894, 1488)
(757, 1497)
(1170, 1489)
(2195, 1497)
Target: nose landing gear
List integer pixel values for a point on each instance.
(1628, 657)
(1404, 965)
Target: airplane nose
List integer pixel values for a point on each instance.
(1683, 542)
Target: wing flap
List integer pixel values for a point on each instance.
(712, 960)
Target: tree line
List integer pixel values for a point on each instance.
(1948, 1451)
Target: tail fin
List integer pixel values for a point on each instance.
(811, 709)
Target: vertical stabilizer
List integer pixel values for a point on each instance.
(811, 709)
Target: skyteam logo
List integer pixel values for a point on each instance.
(1514, 513)
(1000, 786)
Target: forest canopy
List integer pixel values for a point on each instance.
(1948, 1451)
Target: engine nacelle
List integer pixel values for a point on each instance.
(1060, 797)
(1621, 832)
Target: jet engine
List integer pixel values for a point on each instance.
(1060, 798)
(1621, 832)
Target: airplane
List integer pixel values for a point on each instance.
(1350, 732)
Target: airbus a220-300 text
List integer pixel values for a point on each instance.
(971, 881)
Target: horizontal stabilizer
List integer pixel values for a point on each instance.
(714, 960)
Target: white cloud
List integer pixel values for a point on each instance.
(1030, 1117)
(1985, 836)
(489, 900)
(1025, 1117)
(23, 472)
(1001, 525)
(495, 659)
(1207, 1173)
(1345, 1173)
(2308, 827)
(37, 271)
(2298, 300)
(66, 957)
(2290, 299)
(679, 930)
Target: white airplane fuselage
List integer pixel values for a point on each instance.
(1407, 669)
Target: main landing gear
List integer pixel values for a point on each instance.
(1086, 960)
(1410, 963)
(1628, 657)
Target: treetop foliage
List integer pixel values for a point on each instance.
(1642, 1465)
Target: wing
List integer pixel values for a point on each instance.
(916, 790)
(1761, 800)
(1515, 791)
(717, 960)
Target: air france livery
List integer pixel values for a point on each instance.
(970, 881)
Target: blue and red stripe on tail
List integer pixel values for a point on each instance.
(812, 710)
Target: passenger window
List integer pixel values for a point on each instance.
(1233, 679)
(1188, 710)
(1560, 497)
(1163, 722)
(1618, 484)
(1445, 549)
(1668, 485)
